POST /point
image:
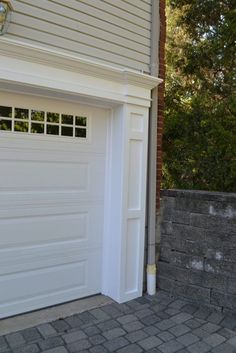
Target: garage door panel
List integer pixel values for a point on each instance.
(40, 208)
(51, 205)
(34, 258)
(49, 286)
(52, 175)
(48, 144)
(85, 226)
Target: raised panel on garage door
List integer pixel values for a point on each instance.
(51, 202)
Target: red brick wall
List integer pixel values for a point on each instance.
(161, 92)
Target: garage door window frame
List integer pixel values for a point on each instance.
(28, 124)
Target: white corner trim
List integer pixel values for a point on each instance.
(68, 62)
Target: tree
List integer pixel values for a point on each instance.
(199, 140)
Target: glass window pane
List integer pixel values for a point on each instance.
(37, 128)
(5, 125)
(66, 131)
(21, 126)
(37, 115)
(53, 117)
(67, 119)
(21, 113)
(80, 133)
(80, 120)
(52, 129)
(6, 112)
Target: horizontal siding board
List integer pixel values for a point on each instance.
(33, 36)
(129, 9)
(105, 16)
(94, 23)
(140, 5)
(91, 32)
(114, 32)
(105, 7)
(79, 38)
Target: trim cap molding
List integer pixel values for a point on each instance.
(64, 61)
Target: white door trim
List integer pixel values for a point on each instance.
(47, 73)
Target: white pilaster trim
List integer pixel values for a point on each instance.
(125, 204)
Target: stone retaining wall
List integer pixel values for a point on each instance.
(198, 247)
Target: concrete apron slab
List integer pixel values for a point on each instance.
(23, 321)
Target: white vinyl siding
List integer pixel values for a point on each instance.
(113, 32)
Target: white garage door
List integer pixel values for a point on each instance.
(52, 177)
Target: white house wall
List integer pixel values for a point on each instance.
(113, 32)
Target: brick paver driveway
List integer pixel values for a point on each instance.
(156, 325)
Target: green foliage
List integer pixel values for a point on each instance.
(200, 119)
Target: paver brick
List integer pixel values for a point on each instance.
(131, 348)
(190, 308)
(115, 332)
(178, 304)
(180, 318)
(188, 339)
(108, 325)
(179, 330)
(112, 311)
(57, 350)
(46, 330)
(51, 342)
(210, 328)
(200, 333)
(224, 348)
(232, 341)
(116, 344)
(215, 318)
(91, 330)
(202, 313)
(227, 333)
(74, 336)
(136, 336)
(158, 308)
(172, 311)
(165, 324)
(150, 320)
(31, 334)
(29, 348)
(100, 315)
(127, 319)
(133, 326)
(15, 339)
(150, 342)
(98, 349)
(60, 325)
(229, 322)
(143, 313)
(74, 321)
(79, 345)
(151, 330)
(214, 340)
(3, 344)
(163, 315)
(199, 347)
(170, 347)
(195, 323)
(97, 339)
(165, 336)
(86, 317)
